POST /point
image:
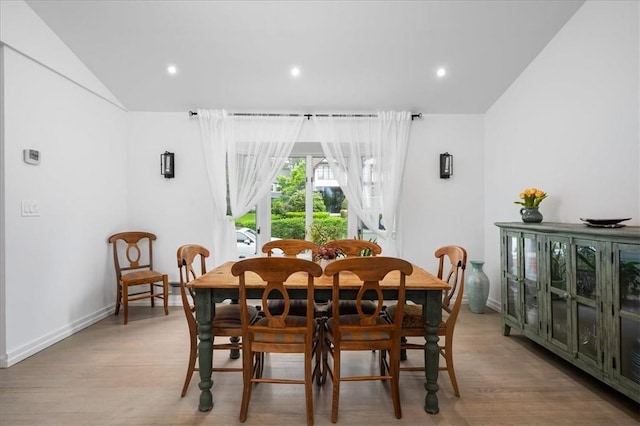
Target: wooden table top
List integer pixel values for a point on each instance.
(221, 278)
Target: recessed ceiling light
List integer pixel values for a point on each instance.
(295, 71)
(171, 69)
(441, 72)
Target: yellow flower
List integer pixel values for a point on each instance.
(531, 197)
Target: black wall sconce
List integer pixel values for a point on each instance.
(446, 165)
(167, 165)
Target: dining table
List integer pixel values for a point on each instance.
(219, 284)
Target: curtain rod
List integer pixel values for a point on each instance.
(254, 114)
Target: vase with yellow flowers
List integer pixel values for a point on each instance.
(530, 200)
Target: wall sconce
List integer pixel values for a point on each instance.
(167, 167)
(446, 165)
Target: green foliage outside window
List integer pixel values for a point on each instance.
(288, 210)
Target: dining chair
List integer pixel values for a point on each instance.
(451, 268)
(276, 333)
(292, 248)
(362, 331)
(226, 321)
(133, 261)
(353, 247)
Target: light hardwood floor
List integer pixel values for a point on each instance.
(110, 374)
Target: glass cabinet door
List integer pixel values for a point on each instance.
(512, 267)
(559, 295)
(587, 317)
(627, 306)
(531, 317)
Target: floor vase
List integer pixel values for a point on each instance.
(477, 287)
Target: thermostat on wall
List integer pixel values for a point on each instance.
(31, 156)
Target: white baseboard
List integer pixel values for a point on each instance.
(494, 304)
(35, 346)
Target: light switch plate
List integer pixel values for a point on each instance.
(30, 208)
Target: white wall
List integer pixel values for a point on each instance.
(177, 210)
(434, 211)
(58, 275)
(569, 125)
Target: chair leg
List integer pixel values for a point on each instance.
(384, 363)
(153, 299)
(247, 373)
(394, 369)
(258, 364)
(193, 355)
(403, 350)
(125, 303)
(336, 385)
(308, 385)
(165, 291)
(448, 357)
(118, 297)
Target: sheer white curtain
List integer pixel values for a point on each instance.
(367, 156)
(243, 154)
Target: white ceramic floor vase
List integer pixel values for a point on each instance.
(477, 287)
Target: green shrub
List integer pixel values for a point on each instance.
(288, 228)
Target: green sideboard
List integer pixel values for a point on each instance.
(575, 290)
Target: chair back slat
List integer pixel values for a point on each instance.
(291, 247)
(371, 271)
(132, 251)
(186, 257)
(274, 272)
(453, 260)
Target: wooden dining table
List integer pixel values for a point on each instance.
(219, 284)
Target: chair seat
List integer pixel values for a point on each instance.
(348, 307)
(412, 316)
(141, 277)
(290, 321)
(359, 335)
(229, 316)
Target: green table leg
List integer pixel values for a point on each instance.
(204, 313)
(432, 312)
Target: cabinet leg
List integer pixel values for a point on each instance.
(506, 330)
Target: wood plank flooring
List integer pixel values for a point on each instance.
(110, 374)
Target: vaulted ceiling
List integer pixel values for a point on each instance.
(353, 55)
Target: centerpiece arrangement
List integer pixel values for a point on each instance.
(328, 254)
(530, 199)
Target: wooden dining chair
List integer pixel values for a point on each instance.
(291, 248)
(353, 247)
(133, 261)
(362, 331)
(226, 321)
(451, 268)
(276, 333)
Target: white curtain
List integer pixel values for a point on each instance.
(243, 154)
(367, 156)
